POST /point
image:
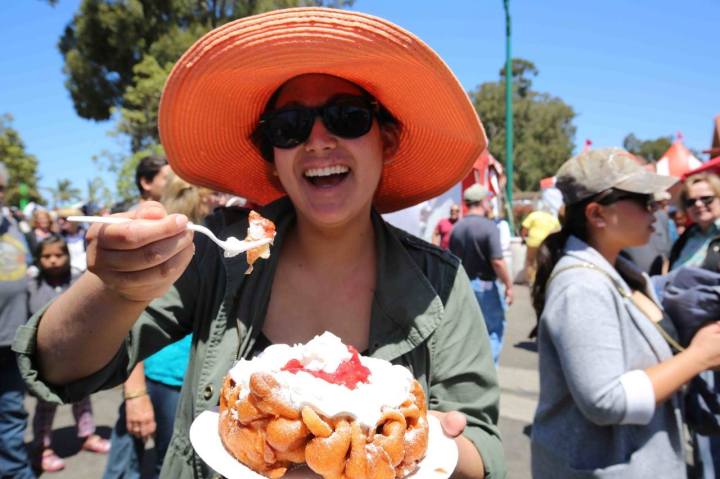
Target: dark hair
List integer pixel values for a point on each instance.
(147, 169)
(383, 115)
(552, 248)
(50, 240)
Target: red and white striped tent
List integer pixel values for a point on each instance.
(421, 219)
(678, 160)
(486, 171)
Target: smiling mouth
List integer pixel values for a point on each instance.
(326, 177)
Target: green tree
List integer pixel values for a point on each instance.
(543, 129)
(98, 194)
(118, 54)
(649, 150)
(124, 169)
(521, 71)
(21, 166)
(64, 193)
(138, 116)
(106, 39)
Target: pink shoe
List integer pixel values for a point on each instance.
(51, 462)
(96, 444)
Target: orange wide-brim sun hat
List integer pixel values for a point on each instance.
(217, 91)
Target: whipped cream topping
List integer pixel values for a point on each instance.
(256, 231)
(388, 385)
(259, 228)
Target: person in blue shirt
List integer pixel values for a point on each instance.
(158, 389)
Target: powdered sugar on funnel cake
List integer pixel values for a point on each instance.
(323, 404)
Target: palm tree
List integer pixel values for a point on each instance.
(64, 193)
(98, 194)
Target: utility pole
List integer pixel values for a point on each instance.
(508, 118)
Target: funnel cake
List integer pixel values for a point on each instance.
(258, 228)
(344, 415)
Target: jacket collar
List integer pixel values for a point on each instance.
(579, 249)
(406, 308)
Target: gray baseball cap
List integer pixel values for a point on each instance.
(475, 193)
(594, 171)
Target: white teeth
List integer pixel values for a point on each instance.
(327, 171)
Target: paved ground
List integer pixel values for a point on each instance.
(81, 464)
(519, 385)
(518, 380)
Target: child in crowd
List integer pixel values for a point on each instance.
(55, 276)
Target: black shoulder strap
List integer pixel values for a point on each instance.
(679, 245)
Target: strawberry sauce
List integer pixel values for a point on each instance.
(348, 373)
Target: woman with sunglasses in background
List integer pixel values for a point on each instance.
(312, 113)
(609, 402)
(699, 199)
(699, 246)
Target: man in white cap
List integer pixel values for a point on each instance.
(476, 241)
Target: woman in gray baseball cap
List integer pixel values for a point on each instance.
(609, 404)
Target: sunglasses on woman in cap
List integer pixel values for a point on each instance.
(346, 116)
(613, 196)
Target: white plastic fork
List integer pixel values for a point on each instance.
(232, 246)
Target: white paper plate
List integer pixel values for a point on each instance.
(439, 462)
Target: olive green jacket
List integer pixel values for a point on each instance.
(424, 316)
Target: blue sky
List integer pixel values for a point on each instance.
(649, 67)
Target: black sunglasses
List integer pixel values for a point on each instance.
(646, 201)
(706, 200)
(346, 116)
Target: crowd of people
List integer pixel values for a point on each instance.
(54, 258)
(41, 258)
(326, 144)
(600, 367)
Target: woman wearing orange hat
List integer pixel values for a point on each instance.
(327, 118)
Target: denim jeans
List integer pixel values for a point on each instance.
(492, 306)
(123, 461)
(707, 456)
(707, 448)
(14, 460)
(126, 452)
(165, 400)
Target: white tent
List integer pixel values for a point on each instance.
(677, 161)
